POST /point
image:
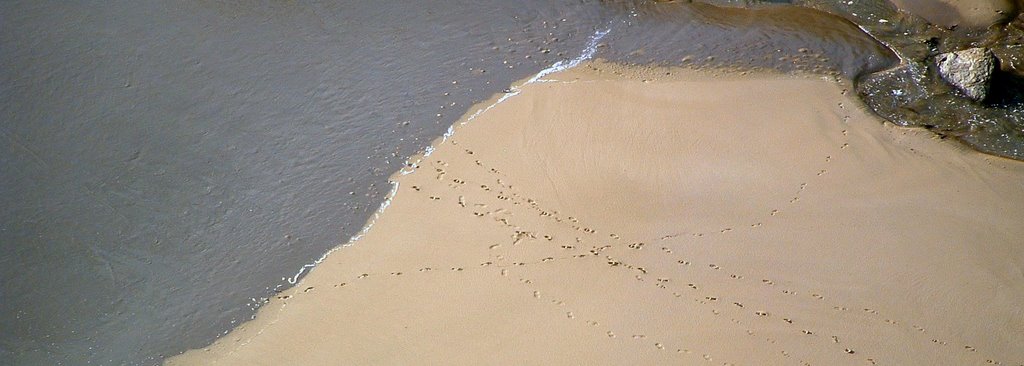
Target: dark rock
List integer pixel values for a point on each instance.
(968, 70)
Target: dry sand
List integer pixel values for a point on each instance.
(972, 14)
(620, 216)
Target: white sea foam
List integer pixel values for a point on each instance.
(587, 53)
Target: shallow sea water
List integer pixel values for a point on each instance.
(167, 166)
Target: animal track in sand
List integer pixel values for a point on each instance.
(663, 281)
(571, 315)
(762, 313)
(820, 297)
(610, 334)
(512, 197)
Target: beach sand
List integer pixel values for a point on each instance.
(617, 215)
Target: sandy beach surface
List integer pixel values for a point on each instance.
(613, 215)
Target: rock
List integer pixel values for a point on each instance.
(969, 70)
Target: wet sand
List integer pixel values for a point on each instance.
(656, 216)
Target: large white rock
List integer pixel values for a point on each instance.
(968, 70)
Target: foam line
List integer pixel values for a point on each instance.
(562, 65)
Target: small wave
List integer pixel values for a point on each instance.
(562, 65)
